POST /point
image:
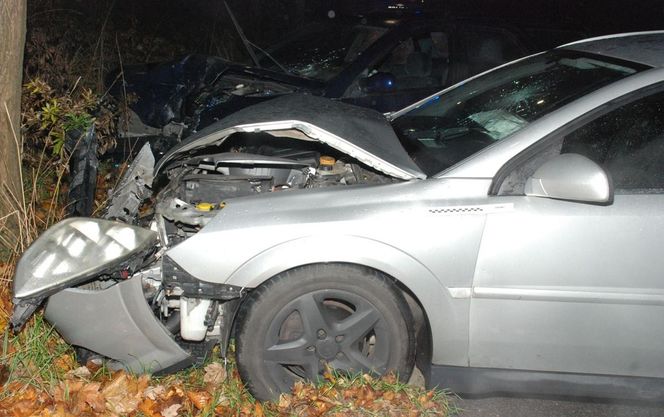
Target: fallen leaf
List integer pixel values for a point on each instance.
(66, 390)
(80, 372)
(59, 410)
(148, 407)
(123, 394)
(23, 408)
(285, 401)
(171, 411)
(258, 410)
(154, 391)
(322, 406)
(4, 374)
(246, 410)
(91, 396)
(215, 375)
(200, 399)
(64, 363)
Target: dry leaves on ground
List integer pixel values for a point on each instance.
(122, 394)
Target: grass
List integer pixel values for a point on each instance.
(37, 356)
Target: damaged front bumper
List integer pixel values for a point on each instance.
(117, 323)
(104, 290)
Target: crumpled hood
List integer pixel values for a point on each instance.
(362, 133)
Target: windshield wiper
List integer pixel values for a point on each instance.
(245, 41)
(248, 44)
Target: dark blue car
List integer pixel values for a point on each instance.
(384, 63)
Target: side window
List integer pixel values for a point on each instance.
(487, 47)
(628, 142)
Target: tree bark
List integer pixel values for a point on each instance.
(12, 42)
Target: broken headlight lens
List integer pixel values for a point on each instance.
(74, 250)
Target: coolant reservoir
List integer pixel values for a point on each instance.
(329, 172)
(192, 318)
(326, 163)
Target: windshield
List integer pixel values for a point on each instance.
(452, 126)
(322, 50)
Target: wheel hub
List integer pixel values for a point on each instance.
(327, 348)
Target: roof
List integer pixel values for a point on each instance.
(642, 47)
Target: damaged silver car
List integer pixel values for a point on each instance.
(502, 235)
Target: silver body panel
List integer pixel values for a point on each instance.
(577, 287)
(382, 229)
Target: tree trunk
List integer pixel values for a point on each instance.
(12, 42)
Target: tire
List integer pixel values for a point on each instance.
(355, 320)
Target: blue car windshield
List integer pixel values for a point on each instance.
(454, 125)
(322, 50)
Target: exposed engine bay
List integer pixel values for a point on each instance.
(246, 165)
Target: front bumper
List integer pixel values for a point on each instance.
(116, 322)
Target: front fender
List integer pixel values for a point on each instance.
(448, 316)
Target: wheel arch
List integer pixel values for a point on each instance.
(446, 341)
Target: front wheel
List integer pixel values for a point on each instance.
(346, 317)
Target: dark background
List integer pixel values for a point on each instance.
(153, 30)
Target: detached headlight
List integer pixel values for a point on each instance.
(74, 250)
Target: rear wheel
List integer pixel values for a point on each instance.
(346, 317)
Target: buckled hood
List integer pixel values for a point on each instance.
(361, 133)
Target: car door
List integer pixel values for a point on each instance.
(574, 287)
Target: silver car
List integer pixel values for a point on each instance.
(505, 234)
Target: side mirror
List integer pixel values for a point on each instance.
(572, 177)
(379, 82)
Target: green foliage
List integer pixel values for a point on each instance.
(79, 122)
(49, 116)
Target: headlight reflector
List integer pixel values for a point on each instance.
(75, 249)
